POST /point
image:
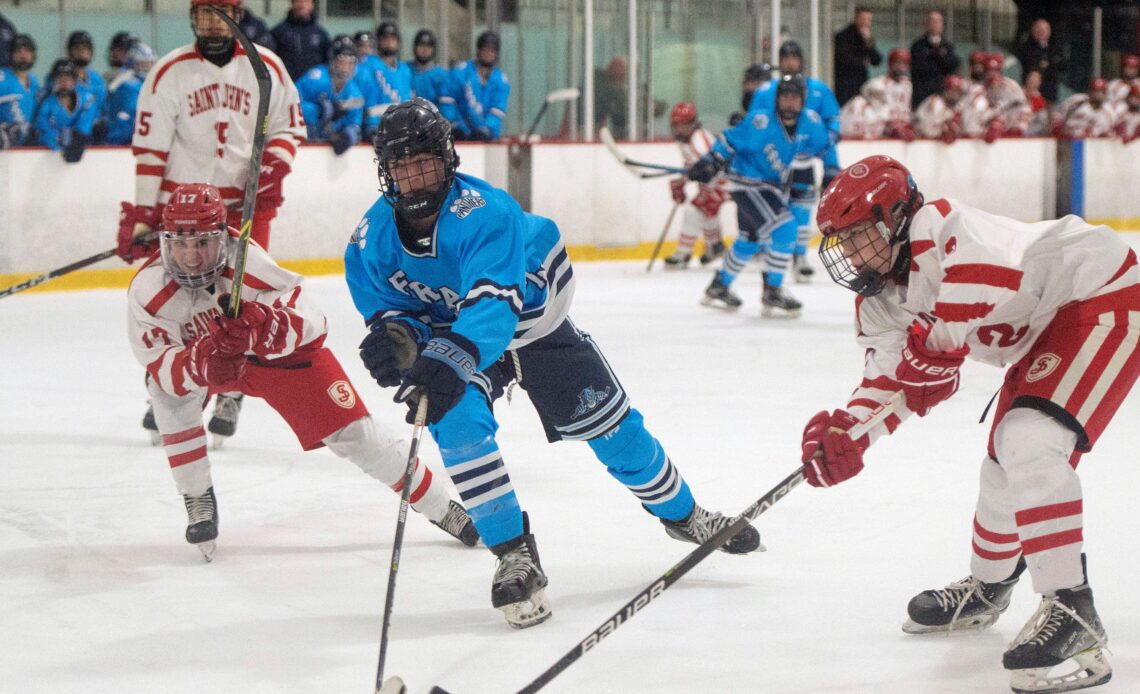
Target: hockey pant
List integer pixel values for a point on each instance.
(1053, 406)
(701, 217)
(316, 400)
(578, 398)
(765, 224)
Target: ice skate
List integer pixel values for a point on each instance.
(712, 252)
(202, 523)
(966, 605)
(458, 524)
(718, 295)
(151, 426)
(223, 423)
(518, 588)
(678, 261)
(802, 270)
(776, 302)
(701, 524)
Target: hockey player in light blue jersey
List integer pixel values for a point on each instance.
(803, 191)
(66, 114)
(464, 293)
(19, 89)
(429, 80)
(123, 99)
(481, 92)
(383, 79)
(331, 101)
(758, 152)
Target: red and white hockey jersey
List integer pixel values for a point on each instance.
(1076, 118)
(1008, 103)
(862, 119)
(196, 122)
(1128, 125)
(966, 118)
(698, 145)
(987, 282)
(897, 94)
(165, 317)
(1118, 89)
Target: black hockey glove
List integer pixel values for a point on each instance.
(442, 370)
(340, 142)
(706, 168)
(389, 351)
(73, 152)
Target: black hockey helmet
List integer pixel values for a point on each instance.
(488, 39)
(22, 41)
(122, 40)
(424, 37)
(79, 38)
(407, 129)
(62, 67)
(363, 38)
(342, 46)
(791, 48)
(792, 83)
(758, 72)
(387, 29)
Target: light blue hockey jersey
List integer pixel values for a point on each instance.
(819, 98)
(433, 83)
(55, 124)
(328, 111)
(495, 274)
(481, 105)
(17, 104)
(760, 148)
(122, 103)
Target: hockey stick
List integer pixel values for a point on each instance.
(567, 94)
(28, 284)
(664, 233)
(260, 133)
(395, 685)
(632, 165)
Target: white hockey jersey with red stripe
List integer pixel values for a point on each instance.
(1008, 103)
(898, 93)
(862, 119)
(196, 122)
(984, 281)
(165, 317)
(967, 118)
(1076, 118)
(1118, 89)
(1128, 125)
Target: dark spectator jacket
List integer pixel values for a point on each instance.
(257, 30)
(7, 33)
(851, 58)
(1047, 61)
(929, 65)
(301, 44)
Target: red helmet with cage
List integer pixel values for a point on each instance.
(194, 239)
(1129, 60)
(953, 83)
(978, 57)
(1098, 84)
(898, 54)
(994, 61)
(864, 216)
(684, 112)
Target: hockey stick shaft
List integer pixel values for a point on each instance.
(260, 133)
(36, 281)
(664, 233)
(398, 542)
(632, 165)
(655, 589)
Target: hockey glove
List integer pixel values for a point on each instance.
(73, 152)
(993, 131)
(135, 225)
(677, 188)
(830, 456)
(706, 168)
(207, 365)
(389, 351)
(258, 328)
(442, 370)
(927, 376)
(274, 169)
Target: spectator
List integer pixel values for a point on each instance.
(122, 102)
(66, 114)
(121, 42)
(331, 100)
(429, 80)
(256, 29)
(80, 51)
(854, 51)
(481, 92)
(301, 42)
(19, 89)
(933, 59)
(7, 33)
(1037, 52)
(611, 96)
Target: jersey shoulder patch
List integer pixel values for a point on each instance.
(468, 201)
(314, 74)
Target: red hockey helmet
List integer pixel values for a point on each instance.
(953, 83)
(1099, 84)
(1129, 60)
(978, 57)
(864, 216)
(898, 54)
(994, 61)
(193, 238)
(684, 112)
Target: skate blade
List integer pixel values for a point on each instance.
(771, 312)
(976, 623)
(207, 549)
(393, 685)
(528, 613)
(1092, 669)
(717, 304)
(217, 441)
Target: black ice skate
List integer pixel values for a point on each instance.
(712, 252)
(776, 302)
(802, 269)
(678, 261)
(223, 423)
(701, 524)
(457, 524)
(964, 605)
(1065, 629)
(518, 588)
(202, 523)
(718, 295)
(151, 426)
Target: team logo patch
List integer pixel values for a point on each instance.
(343, 394)
(859, 171)
(1042, 367)
(359, 234)
(760, 121)
(467, 202)
(588, 399)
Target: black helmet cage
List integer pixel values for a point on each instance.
(414, 127)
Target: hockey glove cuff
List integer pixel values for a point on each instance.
(390, 350)
(677, 188)
(135, 225)
(274, 169)
(927, 376)
(445, 366)
(830, 456)
(259, 328)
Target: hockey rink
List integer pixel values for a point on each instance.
(100, 593)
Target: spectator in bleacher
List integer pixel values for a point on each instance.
(430, 80)
(19, 89)
(1120, 87)
(1009, 109)
(610, 97)
(331, 101)
(1086, 115)
(121, 42)
(122, 102)
(80, 51)
(481, 92)
(301, 42)
(896, 85)
(66, 114)
(932, 60)
(854, 52)
(7, 33)
(256, 29)
(1038, 52)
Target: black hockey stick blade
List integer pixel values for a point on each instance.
(40, 279)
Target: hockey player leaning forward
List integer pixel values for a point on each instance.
(1059, 301)
(464, 292)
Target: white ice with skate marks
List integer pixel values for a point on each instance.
(102, 594)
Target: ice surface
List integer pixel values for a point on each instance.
(99, 592)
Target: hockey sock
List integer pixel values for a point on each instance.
(637, 460)
(802, 213)
(742, 251)
(712, 234)
(686, 242)
(482, 482)
(186, 452)
(779, 256)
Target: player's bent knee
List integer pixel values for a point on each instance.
(1026, 438)
(628, 447)
(361, 444)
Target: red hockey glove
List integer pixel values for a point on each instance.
(708, 201)
(902, 130)
(1014, 132)
(927, 376)
(993, 131)
(948, 134)
(273, 173)
(830, 456)
(209, 366)
(677, 188)
(258, 328)
(134, 225)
